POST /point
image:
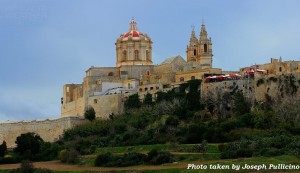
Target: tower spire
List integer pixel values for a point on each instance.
(193, 38)
(203, 33)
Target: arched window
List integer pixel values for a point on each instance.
(110, 74)
(181, 79)
(193, 78)
(147, 55)
(280, 69)
(195, 52)
(124, 55)
(205, 47)
(136, 55)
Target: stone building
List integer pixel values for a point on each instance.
(106, 88)
(134, 47)
(200, 51)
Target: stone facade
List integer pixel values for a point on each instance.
(49, 130)
(134, 47)
(105, 88)
(200, 50)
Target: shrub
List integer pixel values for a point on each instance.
(244, 153)
(104, 159)
(133, 101)
(90, 114)
(274, 79)
(69, 156)
(133, 158)
(260, 81)
(269, 152)
(28, 144)
(128, 159)
(156, 157)
(228, 155)
(202, 148)
(3, 149)
(26, 167)
(49, 151)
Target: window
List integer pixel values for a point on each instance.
(280, 69)
(95, 101)
(181, 79)
(110, 74)
(136, 55)
(205, 47)
(151, 88)
(146, 89)
(124, 55)
(141, 89)
(193, 78)
(148, 73)
(195, 52)
(147, 55)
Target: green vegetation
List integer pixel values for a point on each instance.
(274, 79)
(69, 156)
(3, 149)
(90, 114)
(260, 81)
(172, 147)
(182, 126)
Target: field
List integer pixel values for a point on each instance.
(182, 155)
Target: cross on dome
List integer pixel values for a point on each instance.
(133, 24)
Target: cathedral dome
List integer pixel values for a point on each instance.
(133, 33)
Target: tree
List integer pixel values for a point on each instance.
(148, 99)
(28, 143)
(26, 167)
(90, 114)
(133, 101)
(241, 105)
(3, 149)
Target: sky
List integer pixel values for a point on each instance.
(45, 44)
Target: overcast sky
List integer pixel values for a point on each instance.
(47, 43)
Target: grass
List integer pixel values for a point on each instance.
(284, 159)
(212, 148)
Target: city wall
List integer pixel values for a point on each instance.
(49, 130)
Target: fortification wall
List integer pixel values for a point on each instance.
(216, 89)
(107, 104)
(49, 130)
(76, 107)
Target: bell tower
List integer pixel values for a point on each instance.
(200, 50)
(192, 48)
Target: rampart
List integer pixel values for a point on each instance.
(49, 130)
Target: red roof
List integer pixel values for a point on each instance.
(134, 33)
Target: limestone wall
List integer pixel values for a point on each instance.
(76, 107)
(103, 71)
(107, 104)
(216, 89)
(49, 130)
